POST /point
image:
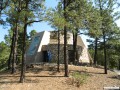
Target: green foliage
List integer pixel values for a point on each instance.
(94, 23)
(20, 42)
(8, 41)
(32, 33)
(78, 79)
(56, 17)
(16, 11)
(8, 38)
(76, 12)
(112, 46)
(4, 54)
(103, 23)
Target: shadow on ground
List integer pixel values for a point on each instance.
(115, 77)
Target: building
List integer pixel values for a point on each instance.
(46, 41)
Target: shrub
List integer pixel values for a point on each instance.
(78, 79)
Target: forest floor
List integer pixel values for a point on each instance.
(46, 77)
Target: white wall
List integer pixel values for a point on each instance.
(44, 41)
(70, 39)
(84, 58)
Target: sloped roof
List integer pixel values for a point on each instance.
(80, 41)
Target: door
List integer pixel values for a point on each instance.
(45, 56)
(70, 55)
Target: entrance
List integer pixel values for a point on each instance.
(45, 56)
(70, 55)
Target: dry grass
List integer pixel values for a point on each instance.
(45, 78)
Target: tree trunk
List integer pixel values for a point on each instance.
(11, 52)
(119, 65)
(16, 39)
(104, 41)
(65, 52)
(9, 60)
(14, 50)
(105, 60)
(75, 47)
(23, 66)
(58, 62)
(65, 42)
(95, 54)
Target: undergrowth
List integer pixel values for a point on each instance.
(78, 78)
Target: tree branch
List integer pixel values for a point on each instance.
(33, 21)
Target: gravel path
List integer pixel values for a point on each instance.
(46, 78)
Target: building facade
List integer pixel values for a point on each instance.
(45, 42)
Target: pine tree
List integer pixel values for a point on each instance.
(105, 9)
(32, 8)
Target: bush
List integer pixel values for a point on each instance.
(78, 79)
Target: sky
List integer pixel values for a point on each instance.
(42, 26)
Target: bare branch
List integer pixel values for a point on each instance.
(33, 21)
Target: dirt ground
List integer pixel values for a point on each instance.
(45, 77)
